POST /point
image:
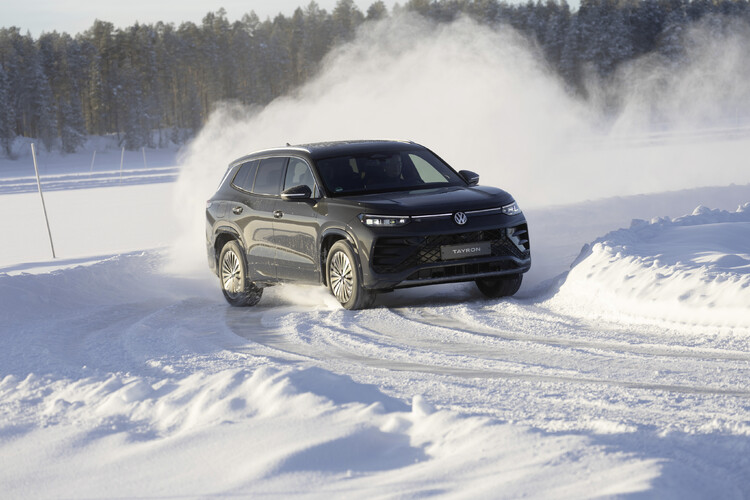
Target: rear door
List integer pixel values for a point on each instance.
(255, 215)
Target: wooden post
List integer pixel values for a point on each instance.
(144, 157)
(44, 207)
(122, 157)
(92, 161)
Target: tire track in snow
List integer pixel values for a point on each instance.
(366, 339)
(427, 317)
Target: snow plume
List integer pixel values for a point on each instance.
(700, 79)
(480, 98)
(683, 118)
(485, 101)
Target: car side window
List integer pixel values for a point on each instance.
(245, 176)
(270, 173)
(298, 174)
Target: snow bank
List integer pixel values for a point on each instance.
(693, 269)
(256, 432)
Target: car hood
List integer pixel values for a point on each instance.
(431, 201)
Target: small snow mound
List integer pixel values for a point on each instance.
(693, 269)
(420, 407)
(701, 210)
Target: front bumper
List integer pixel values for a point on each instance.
(411, 256)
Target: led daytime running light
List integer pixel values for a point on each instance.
(384, 220)
(512, 209)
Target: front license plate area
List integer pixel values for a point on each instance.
(465, 250)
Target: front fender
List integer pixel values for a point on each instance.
(339, 232)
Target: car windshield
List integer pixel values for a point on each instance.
(385, 171)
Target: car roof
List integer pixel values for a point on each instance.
(342, 148)
(330, 149)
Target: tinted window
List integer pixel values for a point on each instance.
(426, 171)
(245, 176)
(268, 178)
(298, 174)
(385, 171)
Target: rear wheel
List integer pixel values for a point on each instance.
(237, 289)
(344, 281)
(501, 286)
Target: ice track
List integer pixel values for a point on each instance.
(116, 349)
(524, 360)
(674, 392)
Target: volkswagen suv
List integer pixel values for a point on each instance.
(362, 218)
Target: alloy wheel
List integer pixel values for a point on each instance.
(342, 280)
(231, 273)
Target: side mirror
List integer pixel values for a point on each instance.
(470, 177)
(297, 193)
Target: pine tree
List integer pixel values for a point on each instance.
(570, 56)
(72, 134)
(145, 78)
(377, 11)
(7, 115)
(553, 37)
(318, 39)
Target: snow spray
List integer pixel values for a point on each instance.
(485, 101)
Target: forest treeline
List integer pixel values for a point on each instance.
(152, 84)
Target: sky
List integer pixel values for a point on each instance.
(75, 16)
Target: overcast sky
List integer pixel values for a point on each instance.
(75, 16)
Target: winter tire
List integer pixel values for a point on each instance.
(501, 286)
(238, 291)
(343, 278)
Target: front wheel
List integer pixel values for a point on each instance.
(343, 278)
(237, 289)
(501, 286)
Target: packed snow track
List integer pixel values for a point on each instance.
(615, 377)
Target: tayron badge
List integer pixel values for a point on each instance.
(460, 218)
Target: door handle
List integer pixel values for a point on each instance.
(237, 210)
(278, 214)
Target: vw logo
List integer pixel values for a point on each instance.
(460, 218)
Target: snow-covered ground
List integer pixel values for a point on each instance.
(123, 374)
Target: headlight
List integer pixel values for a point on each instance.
(384, 220)
(511, 209)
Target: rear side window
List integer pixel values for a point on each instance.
(245, 176)
(268, 178)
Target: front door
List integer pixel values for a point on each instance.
(296, 228)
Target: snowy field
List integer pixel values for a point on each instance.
(124, 374)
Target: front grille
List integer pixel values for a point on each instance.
(397, 254)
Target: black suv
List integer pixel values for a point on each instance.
(361, 217)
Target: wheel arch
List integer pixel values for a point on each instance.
(222, 236)
(327, 240)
